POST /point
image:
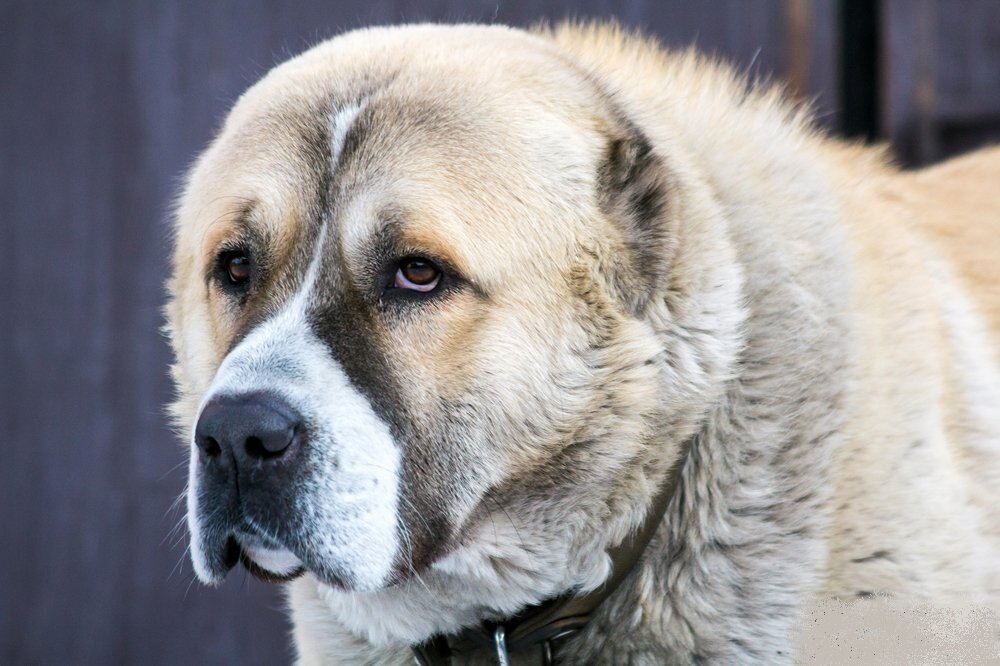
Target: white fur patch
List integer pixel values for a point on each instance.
(340, 125)
(279, 561)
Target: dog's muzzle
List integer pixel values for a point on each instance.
(250, 453)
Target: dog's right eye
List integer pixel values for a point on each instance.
(416, 275)
(235, 268)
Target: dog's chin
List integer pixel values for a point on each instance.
(267, 561)
(271, 565)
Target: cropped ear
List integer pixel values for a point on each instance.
(634, 191)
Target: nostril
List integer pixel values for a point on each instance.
(210, 447)
(274, 446)
(255, 449)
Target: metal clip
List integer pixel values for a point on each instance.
(500, 644)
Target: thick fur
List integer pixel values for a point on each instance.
(653, 253)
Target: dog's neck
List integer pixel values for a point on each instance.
(537, 627)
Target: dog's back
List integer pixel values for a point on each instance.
(958, 204)
(916, 482)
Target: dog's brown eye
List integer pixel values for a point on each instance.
(238, 267)
(417, 275)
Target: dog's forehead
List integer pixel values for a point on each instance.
(445, 168)
(466, 153)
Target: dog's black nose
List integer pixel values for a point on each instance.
(253, 428)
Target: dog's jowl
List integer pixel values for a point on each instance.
(556, 345)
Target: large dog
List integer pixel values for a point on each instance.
(452, 306)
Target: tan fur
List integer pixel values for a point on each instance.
(898, 223)
(832, 326)
(966, 229)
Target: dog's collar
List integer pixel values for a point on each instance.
(538, 627)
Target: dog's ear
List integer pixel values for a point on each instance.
(634, 191)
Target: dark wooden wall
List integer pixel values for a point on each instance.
(940, 76)
(102, 106)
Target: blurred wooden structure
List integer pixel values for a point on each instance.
(940, 76)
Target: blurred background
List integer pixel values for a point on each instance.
(105, 103)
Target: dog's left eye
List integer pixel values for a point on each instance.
(238, 268)
(417, 275)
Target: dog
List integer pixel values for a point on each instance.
(453, 306)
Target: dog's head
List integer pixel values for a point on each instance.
(424, 276)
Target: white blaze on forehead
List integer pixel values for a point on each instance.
(340, 125)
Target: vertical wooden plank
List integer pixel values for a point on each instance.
(799, 17)
(908, 78)
(924, 102)
(859, 69)
(898, 24)
(967, 75)
(940, 76)
(968, 60)
(812, 56)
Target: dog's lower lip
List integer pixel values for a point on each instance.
(268, 576)
(252, 548)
